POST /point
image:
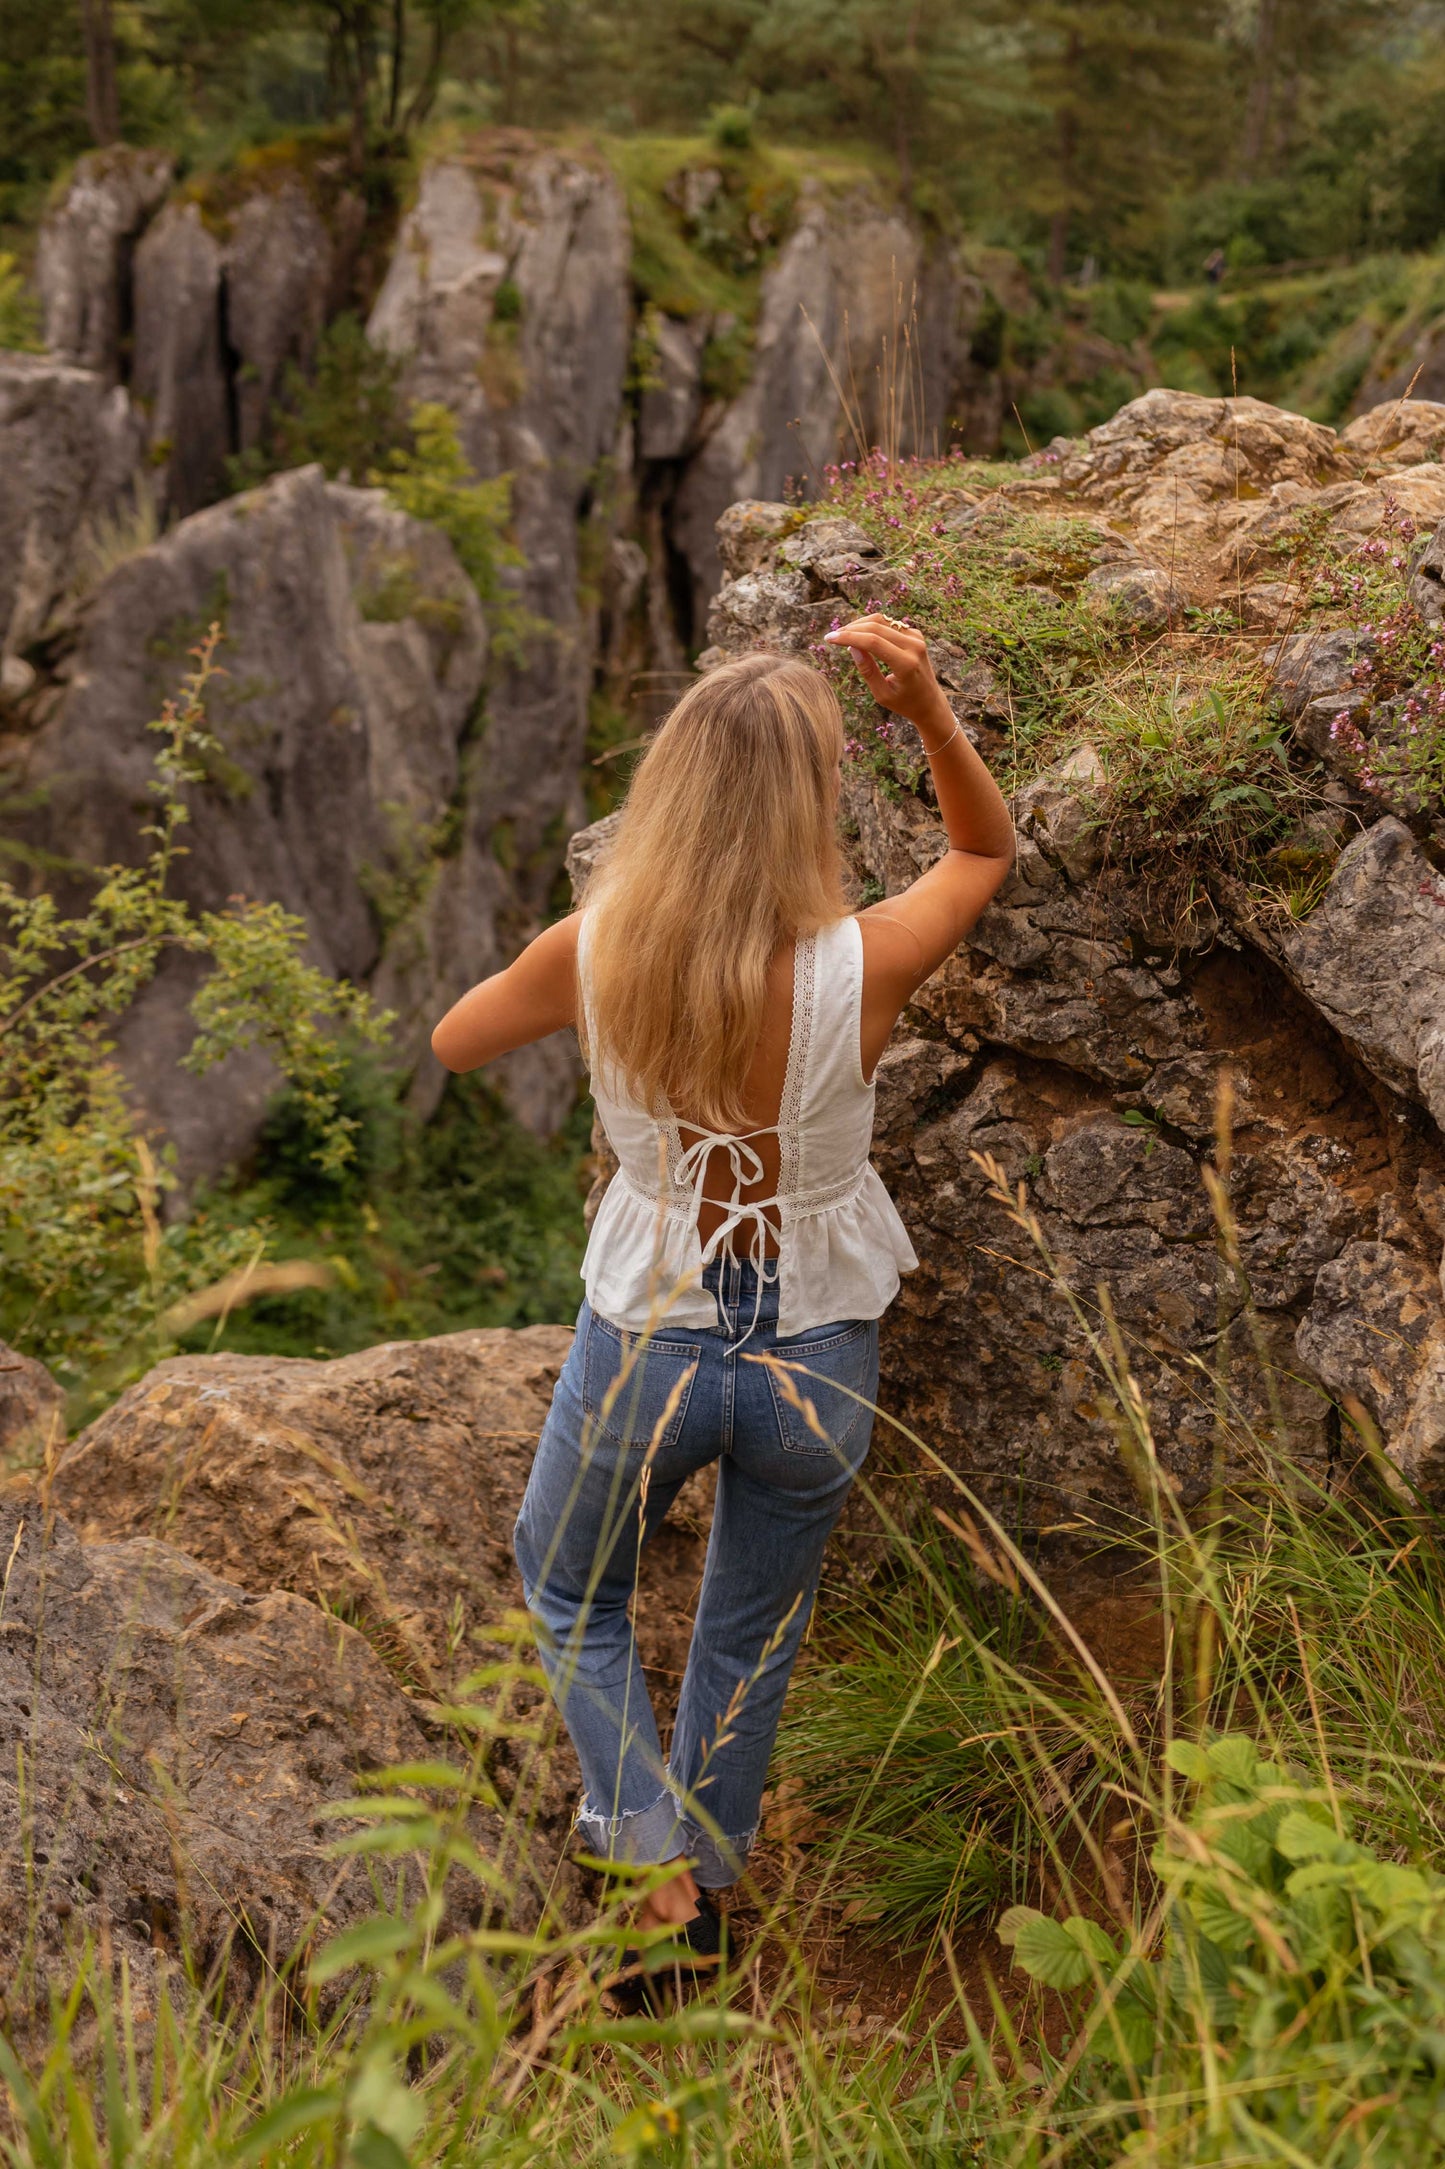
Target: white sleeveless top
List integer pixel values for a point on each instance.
(841, 1243)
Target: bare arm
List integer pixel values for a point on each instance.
(907, 937)
(535, 995)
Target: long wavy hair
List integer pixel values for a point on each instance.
(727, 848)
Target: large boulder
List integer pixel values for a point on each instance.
(383, 1486)
(83, 259)
(71, 453)
(169, 1742)
(1074, 1048)
(354, 649)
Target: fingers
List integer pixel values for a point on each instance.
(895, 644)
(870, 671)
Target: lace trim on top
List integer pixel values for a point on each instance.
(800, 1034)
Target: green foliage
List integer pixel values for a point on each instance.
(432, 480)
(19, 315)
(88, 1273)
(461, 1221)
(1313, 1970)
(346, 414)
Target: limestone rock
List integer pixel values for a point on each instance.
(671, 401)
(32, 1410)
(277, 273)
(354, 650)
(82, 262)
(749, 531)
(387, 1481)
(1317, 666)
(385, 1484)
(1371, 960)
(508, 295)
(70, 455)
(180, 373)
(176, 1737)
(1427, 578)
(1375, 1318)
(829, 305)
(1186, 474)
(1141, 595)
(1397, 433)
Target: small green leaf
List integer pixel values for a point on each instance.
(1236, 1758)
(1048, 1953)
(1188, 1759)
(1092, 1939)
(1302, 1836)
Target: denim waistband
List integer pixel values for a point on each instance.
(733, 1282)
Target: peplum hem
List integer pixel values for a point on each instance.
(643, 1265)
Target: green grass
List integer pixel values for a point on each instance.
(1227, 1942)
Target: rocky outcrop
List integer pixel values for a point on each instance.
(32, 1411)
(1206, 491)
(344, 785)
(199, 304)
(1078, 1051)
(182, 1685)
(83, 261)
(180, 377)
(277, 270)
(171, 1742)
(70, 457)
(507, 298)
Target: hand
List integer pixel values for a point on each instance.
(893, 663)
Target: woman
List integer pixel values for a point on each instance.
(733, 1010)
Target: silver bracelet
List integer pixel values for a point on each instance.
(934, 751)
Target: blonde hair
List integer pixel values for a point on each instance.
(727, 848)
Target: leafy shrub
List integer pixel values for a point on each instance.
(1297, 2004)
(346, 414)
(432, 480)
(89, 1273)
(19, 316)
(732, 127)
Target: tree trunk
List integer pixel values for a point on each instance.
(1261, 91)
(102, 90)
(424, 96)
(398, 60)
(1067, 141)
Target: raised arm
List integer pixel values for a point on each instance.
(907, 937)
(535, 995)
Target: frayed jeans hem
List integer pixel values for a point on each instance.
(717, 1862)
(643, 1837)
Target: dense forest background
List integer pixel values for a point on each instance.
(1123, 137)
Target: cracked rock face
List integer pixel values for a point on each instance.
(353, 655)
(1064, 1048)
(170, 1743)
(71, 451)
(83, 259)
(243, 1506)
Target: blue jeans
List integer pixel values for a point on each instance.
(630, 1421)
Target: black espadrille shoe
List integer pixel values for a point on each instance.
(648, 1980)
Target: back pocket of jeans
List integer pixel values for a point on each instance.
(837, 1378)
(632, 1385)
